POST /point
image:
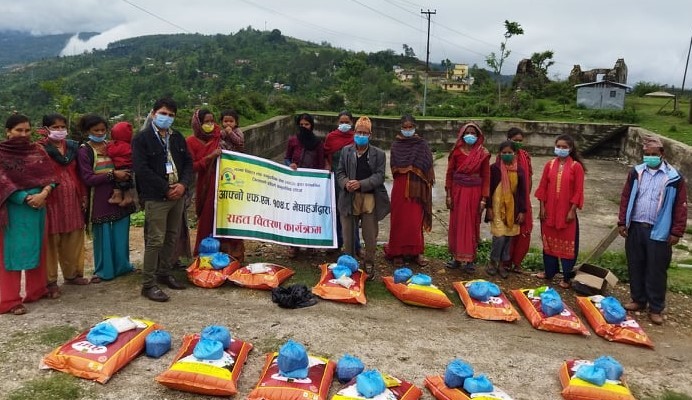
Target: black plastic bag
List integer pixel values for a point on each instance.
(294, 296)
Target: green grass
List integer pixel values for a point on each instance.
(57, 386)
(668, 395)
(55, 335)
(680, 280)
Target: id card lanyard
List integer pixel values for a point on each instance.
(165, 145)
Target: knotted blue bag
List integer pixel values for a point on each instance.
(551, 303)
(456, 373)
(207, 349)
(591, 374)
(493, 289)
(613, 312)
(421, 279)
(157, 343)
(340, 270)
(348, 368)
(401, 275)
(219, 333)
(293, 360)
(209, 246)
(611, 366)
(370, 383)
(481, 290)
(102, 334)
(220, 260)
(478, 384)
(348, 261)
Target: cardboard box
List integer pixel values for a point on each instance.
(591, 279)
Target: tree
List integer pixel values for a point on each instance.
(446, 66)
(543, 61)
(495, 61)
(408, 51)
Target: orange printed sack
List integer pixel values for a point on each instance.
(328, 288)
(627, 331)
(565, 322)
(574, 388)
(210, 377)
(394, 389)
(80, 358)
(417, 295)
(263, 276)
(495, 309)
(436, 386)
(208, 277)
(273, 386)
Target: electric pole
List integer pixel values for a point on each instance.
(682, 91)
(427, 58)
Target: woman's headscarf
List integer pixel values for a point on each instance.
(196, 125)
(307, 137)
(477, 154)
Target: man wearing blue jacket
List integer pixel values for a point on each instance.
(652, 219)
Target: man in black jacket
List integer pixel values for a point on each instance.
(163, 171)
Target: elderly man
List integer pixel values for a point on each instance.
(653, 216)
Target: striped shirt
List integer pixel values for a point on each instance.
(649, 196)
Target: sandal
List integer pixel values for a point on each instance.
(77, 280)
(95, 279)
(19, 309)
(565, 285)
(53, 291)
(422, 261)
(541, 275)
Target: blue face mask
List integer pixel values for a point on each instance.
(408, 132)
(470, 139)
(361, 140)
(344, 127)
(652, 161)
(562, 153)
(163, 121)
(97, 139)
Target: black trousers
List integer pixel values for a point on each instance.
(647, 262)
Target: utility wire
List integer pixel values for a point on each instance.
(156, 16)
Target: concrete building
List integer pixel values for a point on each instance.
(457, 79)
(602, 95)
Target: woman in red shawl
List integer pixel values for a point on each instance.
(520, 244)
(26, 181)
(561, 193)
(412, 168)
(205, 148)
(467, 185)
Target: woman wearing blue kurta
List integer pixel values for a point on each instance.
(109, 223)
(26, 180)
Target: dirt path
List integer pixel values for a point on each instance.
(405, 341)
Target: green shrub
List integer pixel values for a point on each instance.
(137, 219)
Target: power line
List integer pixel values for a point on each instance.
(156, 16)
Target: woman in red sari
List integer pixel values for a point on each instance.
(520, 244)
(467, 185)
(412, 168)
(561, 193)
(205, 148)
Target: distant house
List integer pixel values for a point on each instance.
(602, 95)
(457, 79)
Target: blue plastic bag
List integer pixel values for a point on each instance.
(457, 371)
(370, 383)
(220, 260)
(348, 368)
(478, 384)
(216, 332)
(208, 349)
(479, 290)
(613, 312)
(401, 275)
(293, 360)
(348, 261)
(157, 343)
(421, 279)
(612, 368)
(551, 303)
(493, 289)
(102, 334)
(591, 374)
(340, 270)
(209, 246)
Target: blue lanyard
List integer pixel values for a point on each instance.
(158, 136)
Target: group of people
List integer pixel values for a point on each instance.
(53, 188)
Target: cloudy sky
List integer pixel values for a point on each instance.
(652, 36)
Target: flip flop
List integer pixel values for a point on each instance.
(19, 309)
(78, 280)
(95, 279)
(565, 285)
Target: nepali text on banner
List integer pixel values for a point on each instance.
(262, 200)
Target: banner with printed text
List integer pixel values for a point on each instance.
(262, 200)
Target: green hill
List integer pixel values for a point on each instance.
(22, 47)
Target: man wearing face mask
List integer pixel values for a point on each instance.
(163, 168)
(652, 219)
